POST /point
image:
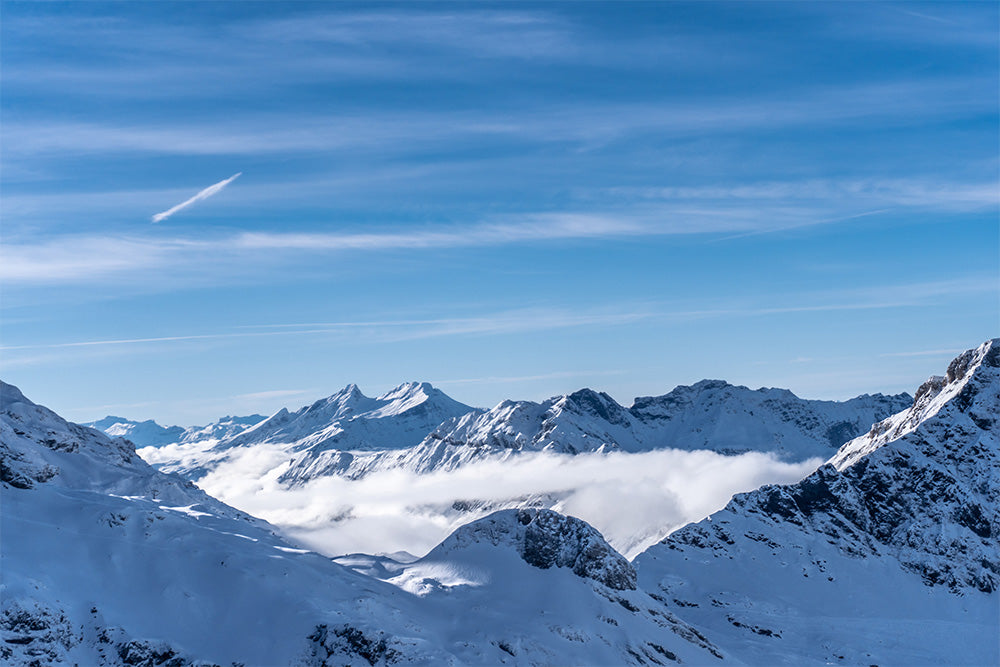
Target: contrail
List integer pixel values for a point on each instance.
(204, 194)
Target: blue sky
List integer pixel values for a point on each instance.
(510, 200)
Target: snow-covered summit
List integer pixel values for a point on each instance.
(545, 539)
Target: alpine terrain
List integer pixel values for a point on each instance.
(888, 554)
(106, 561)
(417, 428)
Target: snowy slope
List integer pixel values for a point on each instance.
(888, 555)
(396, 419)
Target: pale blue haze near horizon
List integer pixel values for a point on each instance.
(506, 200)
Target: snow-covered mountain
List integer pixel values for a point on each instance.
(715, 415)
(350, 420)
(144, 434)
(150, 434)
(890, 554)
(107, 561)
(319, 436)
(711, 415)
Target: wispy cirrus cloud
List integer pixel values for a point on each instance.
(922, 192)
(524, 320)
(201, 196)
(588, 125)
(506, 322)
(75, 257)
(536, 227)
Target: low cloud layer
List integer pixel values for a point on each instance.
(633, 499)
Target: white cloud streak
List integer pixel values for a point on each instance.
(201, 196)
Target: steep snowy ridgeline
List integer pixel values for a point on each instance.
(888, 555)
(150, 434)
(584, 421)
(544, 589)
(107, 561)
(968, 392)
(316, 438)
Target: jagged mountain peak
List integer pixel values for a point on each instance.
(594, 403)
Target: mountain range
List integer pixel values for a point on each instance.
(417, 428)
(150, 434)
(889, 553)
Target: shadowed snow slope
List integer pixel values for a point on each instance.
(888, 555)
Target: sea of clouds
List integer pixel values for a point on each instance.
(633, 499)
